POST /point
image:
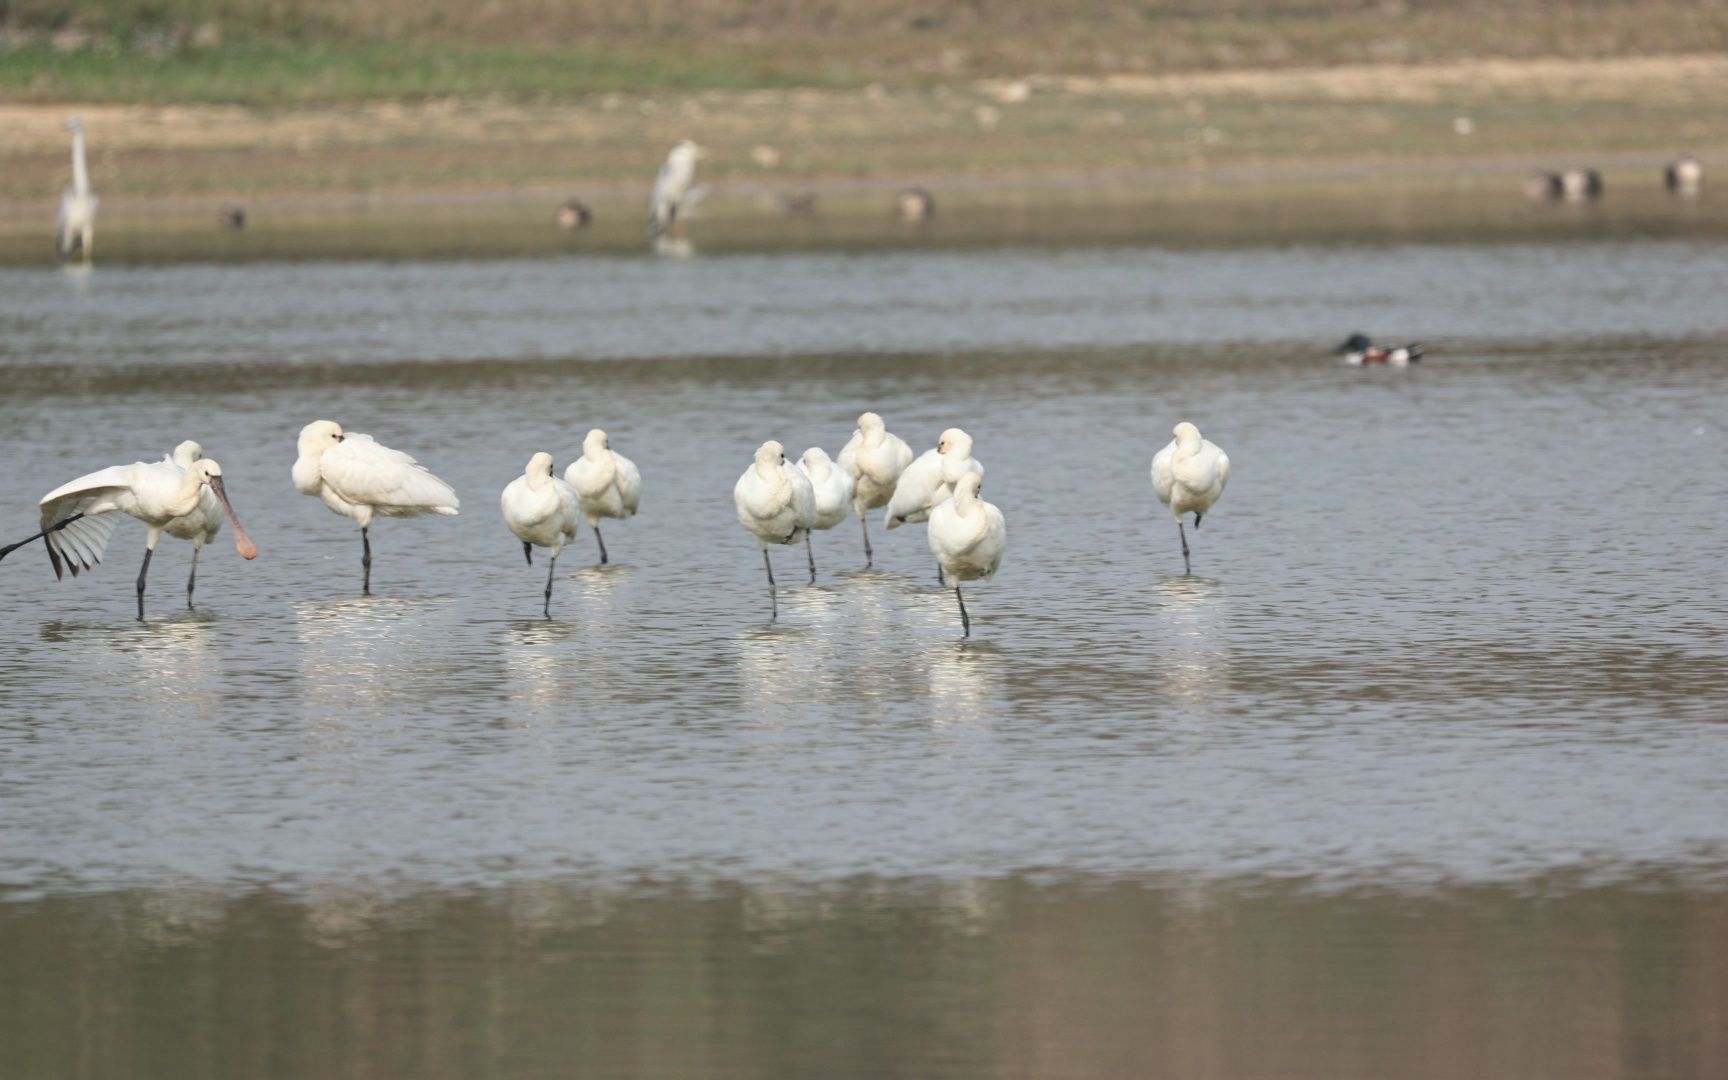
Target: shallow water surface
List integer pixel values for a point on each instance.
(1448, 675)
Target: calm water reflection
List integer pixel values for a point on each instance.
(1420, 774)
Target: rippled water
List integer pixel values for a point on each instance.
(1454, 639)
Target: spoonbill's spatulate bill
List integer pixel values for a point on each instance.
(776, 504)
(76, 234)
(78, 518)
(874, 459)
(360, 478)
(541, 510)
(1189, 474)
(203, 523)
(968, 536)
(831, 492)
(607, 484)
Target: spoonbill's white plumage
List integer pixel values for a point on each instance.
(541, 510)
(78, 518)
(831, 495)
(77, 230)
(776, 503)
(968, 537)
(360, 478)
(673, 191)
(607, 484)
(930, 479)
(1189, 474)
(203, 523)
(874, 459)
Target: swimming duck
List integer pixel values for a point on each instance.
(1358, 350)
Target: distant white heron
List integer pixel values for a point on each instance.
(776, 503)
(360, 478)
(203, 523)
(541, 510)
(831, 490)
(929, 480)
(968, 537)
(78, 518)
(673, 189)
(77, 232)
(1189, 475)
(607, 484)
(1684, 176)
(874, 459)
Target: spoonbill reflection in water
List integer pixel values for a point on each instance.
(831, 491)
(968, 537)
(1189, 474)
(360, 478)
(78, 518)
(607, 484)
(541, 510)
(874, 459)
(776, 503)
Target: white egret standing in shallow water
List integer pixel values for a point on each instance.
(77, 231)
(968, 536)
(78, 518)
(359, 478)
(1189, 474)
(831, 491)
(541, 510)
(874, 459)
(776, 503)
(607, 484)
(203, 523)
(673, 192)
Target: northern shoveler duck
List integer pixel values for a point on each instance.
(1684, 176)
(1358, 350)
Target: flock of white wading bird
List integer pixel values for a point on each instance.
(778, 502)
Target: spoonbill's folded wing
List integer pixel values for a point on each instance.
(629, 484)
(363, 471)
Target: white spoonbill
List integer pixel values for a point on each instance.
(831, 490)
(929, 481)
(77, 518)
(607, 484)
(203, 523)
(968, 536)
(1189, 474)
(77, 231)
(874, 459)
(776, 503)
(672, 194)
(360, 478)
(541, 510)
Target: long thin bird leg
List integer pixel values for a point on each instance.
(940, 578)
(1196, 521)
(602, 543)
(773, 602)
(192, 578)
(1187, 567)
(142, 571)
(965, 620)
(43, 535)
(811, 553)
(869, 556)
(528, 552)
(550, 565)
(365, 562)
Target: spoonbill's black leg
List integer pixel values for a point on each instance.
(965, 620)
(811, 553)
(599, 540)
(773, 602)
(550, 565)
(528, 552)
(365, 562)
(192, 578)
(1187, 567)
(142, 572)
(869, 556)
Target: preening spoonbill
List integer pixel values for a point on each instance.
(607, 484)
(1189, 474)
(831, 492)
(360, 478)
(541, 510)
(874, 459)
(929, 481)
(77, 232)
(203, 523)
(776, 503)
(78, 518)
(1358, 350)
(968, 536)
(672, 194)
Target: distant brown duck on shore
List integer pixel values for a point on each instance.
(231, 216)
(915, 204)
(1684, 176)
(573, 215)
